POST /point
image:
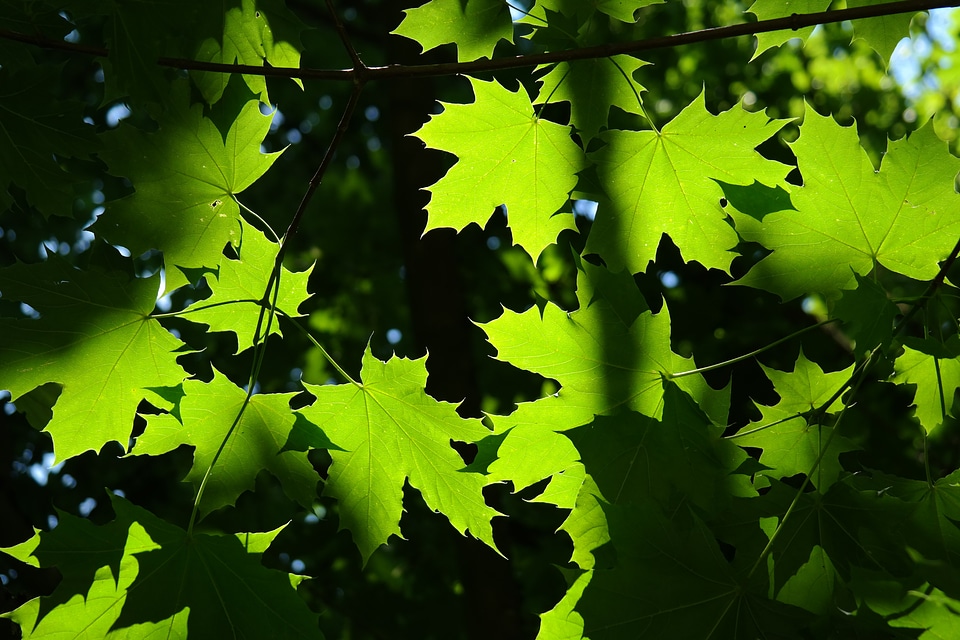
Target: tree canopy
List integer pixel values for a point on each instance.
(554, 319)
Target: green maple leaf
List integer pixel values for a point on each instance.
(666, 183)
(390, 431)
(882, 33)
(562, 622)
(161, 582)
(607, 356)
(623, 10)
(138, 33)
(849, 217)
(868, 315)
(790, 444)
(592, 87)
(527, 454)
(95, 339)
(239, 285)
(935, 370)
(257, 32)
(507, 156)
(475, 26)
(633, 458)
(851, 526)
(204, 417)
(930, 530)
(671, 581)
(771, 9)
(186, 176)
(36, 129)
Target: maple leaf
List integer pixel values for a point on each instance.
(205, 416)
(666, 183)
(930, 528)
(238, 287)
(507, 156)
(592, 87)
(185, 176)
(849, 217)
(882, 33)
(608, 356)
(391, 431)
(671, 581)
(94, 338)
(257, 32)
(475, 26)
(157, 580)
(139, 33)
(868, 315)
(37, 128)
(770, 9)
(934, 369)
(790, 444)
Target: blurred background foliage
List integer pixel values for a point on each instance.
(376, 279)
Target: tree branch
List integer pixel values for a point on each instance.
(793, 22)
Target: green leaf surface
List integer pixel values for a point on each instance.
(868, 316)
(391, 431)
(138, 33)
(185, 176)
(607, 356)
(94, 338)
(507, 156)
(789, 442)
(935, 371)
(562, 622)
(206, 413)
(256, 33)
(770, 9)
(666, 183)
(592, 87)
(475, 26)
(633, 458)
(671, 581)
(37, 129)
(850, 217)
(882, 33)
(930, 531)
(167, 584)
(239, 285)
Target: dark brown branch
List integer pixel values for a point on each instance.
(793, 22)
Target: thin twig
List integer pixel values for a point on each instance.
(789, 23)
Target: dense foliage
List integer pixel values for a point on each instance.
(717, 278)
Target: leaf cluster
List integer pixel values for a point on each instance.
(709, 480)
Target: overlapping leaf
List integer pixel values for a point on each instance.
(671, 581)
(95, 339)
(934, 369)
(159, 581)
(206, 415)
(610, 355)
(592, 87)
(868, 315)
(256, 32)
(390, 432)
(791, 445)
(770, 9)
(475, 26)
(137, 34)
(849, 218)
(666, 183)
(239, 286)
(36, 129)
(507, 156)
(185, 176)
